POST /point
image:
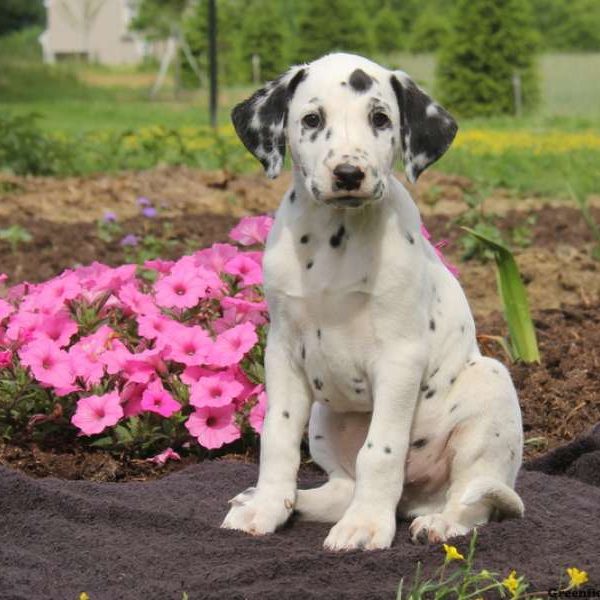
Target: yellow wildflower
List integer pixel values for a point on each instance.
(577, 577)
(84, 596)
(511, 583)
(452, 553)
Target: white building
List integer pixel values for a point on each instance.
(95, 30)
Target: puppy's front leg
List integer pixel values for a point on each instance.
(262, 509)
(370, 520)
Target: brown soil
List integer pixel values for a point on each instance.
(560, 397)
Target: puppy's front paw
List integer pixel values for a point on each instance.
(258, 511)
(362, 528)
(434, 529)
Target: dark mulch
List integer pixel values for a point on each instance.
(156, 540)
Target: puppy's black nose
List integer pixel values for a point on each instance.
(348, 177)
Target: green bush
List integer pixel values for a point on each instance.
(490, 41)
(428, 32)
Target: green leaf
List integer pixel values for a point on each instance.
(103, 442)
(514, 300)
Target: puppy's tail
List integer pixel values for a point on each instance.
(504, 499)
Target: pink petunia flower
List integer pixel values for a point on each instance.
(217, 390)
(252, 230)
(257, 412)
(164, 456)
(95, 413)
(85, 355)
(156, 399)
(239, 310)
(189, 345)
(246, 268)
(153, 326)
(131, 398)
(59, 328)
(49, 364)
(438, 250)
(192, 375)
(179, 291)
(231, 345)
(6, 309)
(136, 301)
(141, 367)
(213, 426)
(5, 358)
(215, 257)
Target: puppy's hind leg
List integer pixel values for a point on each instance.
(329, 502)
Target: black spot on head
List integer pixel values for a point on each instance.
(387, 449)
(314, 135)
(452, 380)
(336, 239)
(434, 372)
(432, 325)
(369, 444)
(472, 363)
(304, 239)
(318, 383)
(326, 399)
(358, 390)
(497, 434)
(330, 153)
(319, 333)
(314, 189)
(462, 328)
(393, 141)
(424, 387)
(328, 134)
(286, 414)
(430, 394)
(453, 407)
(303, 352)
(360, 81)
(419, 443)
(309, 264)
(343, 83)
(357, 380)
(318, 437)
(496, 371)
(292, 195)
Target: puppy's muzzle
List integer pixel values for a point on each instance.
(348, 177)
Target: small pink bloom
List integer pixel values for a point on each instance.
(192, 375)
(131, 398)
(156, 399)
(153, 325)
(85, 355)
(257, 413)
(160, 265)
(164, 456)
(59, 328)
(438, 250)
(213, 426)
(252, 230)
(238, 310)
(49, 364)
(136, 302)
(5, 358)
(189, 345)
(246, 268)
(182, 290)
(95, 413)
(231, 345)
(143, 366)
(115, 356)
(6, 309)
(218, 390)
(215, 257)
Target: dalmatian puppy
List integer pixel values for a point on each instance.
(371, 338)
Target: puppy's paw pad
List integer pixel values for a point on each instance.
(366, 532)
(435, 529)
(257, 513)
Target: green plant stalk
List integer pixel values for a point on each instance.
(514, 300)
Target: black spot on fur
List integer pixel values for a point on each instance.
(452, 380)
(472, 363)
(292, 195)
(330, 153)
(496, 371)
(432, 325)
(314, 189)
(462, 328)
(453, 407)
(424, 387)
(419, 443)
(319, 333)
(387, 449)
(326, 399)
(304, 239)
(497, 434)
(360, 81)
(358, 390)
(303, 352)
(318, 437)
(328, 134)
(318, 383)
(410, 238)
(286, 414)
(434, 372)
(357, 380)
(369, 444)
(430, 394)
(336, 239)
(309, 264)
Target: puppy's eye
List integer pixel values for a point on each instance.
(380, 120)
(311, 120)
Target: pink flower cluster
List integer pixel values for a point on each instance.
(122, 347)
(184, 348)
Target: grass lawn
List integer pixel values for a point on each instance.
(542, 153)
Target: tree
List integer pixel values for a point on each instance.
(336, 25)
(428, 32)
(490, 42)
(387, 30)
(17, 14)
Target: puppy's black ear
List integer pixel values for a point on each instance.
(426, 129)
(261, 119)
